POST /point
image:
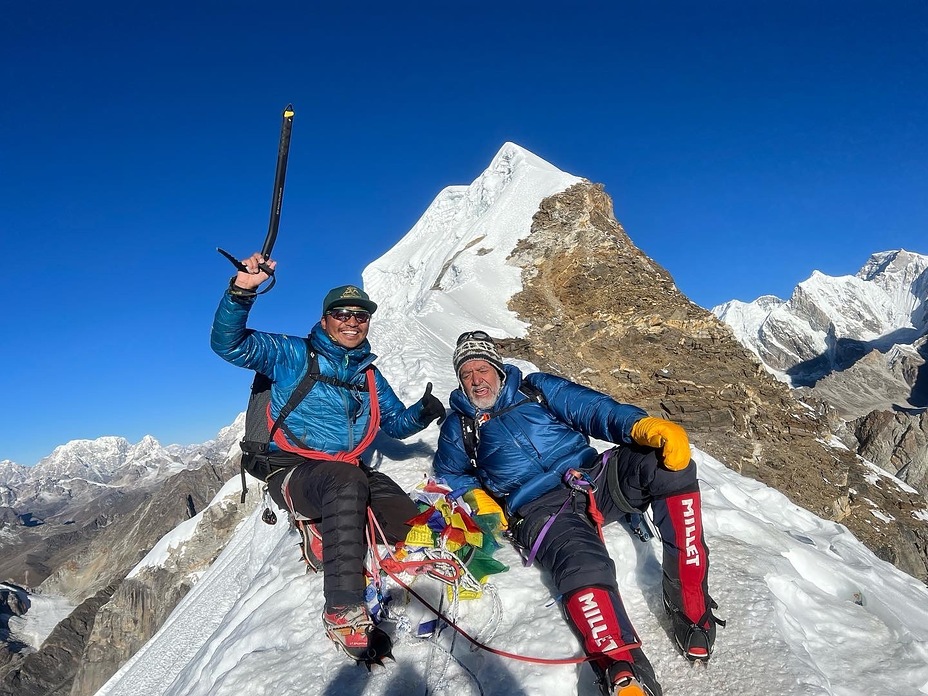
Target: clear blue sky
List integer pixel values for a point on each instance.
(745, 144)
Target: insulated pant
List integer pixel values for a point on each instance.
(576, 557)
(335, 496)
(677, 506)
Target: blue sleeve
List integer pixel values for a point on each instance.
(591, 412)
(451, 462)
(244, 347)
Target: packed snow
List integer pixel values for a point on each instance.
(810, 611)
(43, 614)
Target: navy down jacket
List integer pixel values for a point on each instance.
(523, 453)
(330, 419)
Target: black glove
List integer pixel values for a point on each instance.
(432, 408)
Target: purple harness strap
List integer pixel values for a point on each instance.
(544, 530)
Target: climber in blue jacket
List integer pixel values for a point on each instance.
(313, 467)
(526, 442)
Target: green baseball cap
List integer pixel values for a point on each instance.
(348, 296)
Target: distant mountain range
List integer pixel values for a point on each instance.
(859, 340)
(859, 344)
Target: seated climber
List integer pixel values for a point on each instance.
(525, 441)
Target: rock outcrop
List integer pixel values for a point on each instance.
(49, 671)
(897, 442)
(604, 314)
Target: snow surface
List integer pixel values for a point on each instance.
(44, 613)
(810, 610)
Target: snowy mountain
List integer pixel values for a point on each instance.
(859, 344)
(71, 541)
(811, 611)
(829, 324)
(79, 471)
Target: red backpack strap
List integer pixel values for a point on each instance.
(373, 426)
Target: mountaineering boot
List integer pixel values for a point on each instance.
(310, 545)
(626, 673)
(686, 574)
(351, 629)
(696, 639)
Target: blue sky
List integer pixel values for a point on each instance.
(745, 144)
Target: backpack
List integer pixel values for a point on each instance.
(470, 427)
(255, 444)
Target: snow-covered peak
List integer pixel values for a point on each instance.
(886, 302)
(434, 269)
(896, 263)
(903, 277)
(10, 471)
(93, 460)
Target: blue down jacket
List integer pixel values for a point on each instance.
(524, 452)
(330, 419)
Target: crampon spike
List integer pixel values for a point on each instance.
(379, 647)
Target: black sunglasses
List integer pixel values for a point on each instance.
(476, 335)
(361, 315)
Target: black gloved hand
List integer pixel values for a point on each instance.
(432, 408)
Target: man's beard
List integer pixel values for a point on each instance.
(486, 402)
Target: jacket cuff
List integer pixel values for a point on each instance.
(241, 295)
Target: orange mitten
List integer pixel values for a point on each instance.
(666, 436)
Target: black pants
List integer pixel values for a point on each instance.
(576, 557)
(335, 496)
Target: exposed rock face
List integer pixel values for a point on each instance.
(605, 315)
(123, 543)
(898, 442)
(144, 600)
(49, 671)
(876, 381)
(13, 600)
(34, 548)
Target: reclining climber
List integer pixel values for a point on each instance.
(526, 443)
(313, 463)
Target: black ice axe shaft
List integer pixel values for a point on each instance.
(277, 198)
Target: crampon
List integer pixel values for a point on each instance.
(353, 632)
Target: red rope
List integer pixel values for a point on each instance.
(596, 515)
(373, 426)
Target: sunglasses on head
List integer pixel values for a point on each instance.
(475, 335)
(362, 316)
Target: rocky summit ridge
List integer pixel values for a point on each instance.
(603, 313)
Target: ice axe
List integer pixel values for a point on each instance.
(277, 199)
